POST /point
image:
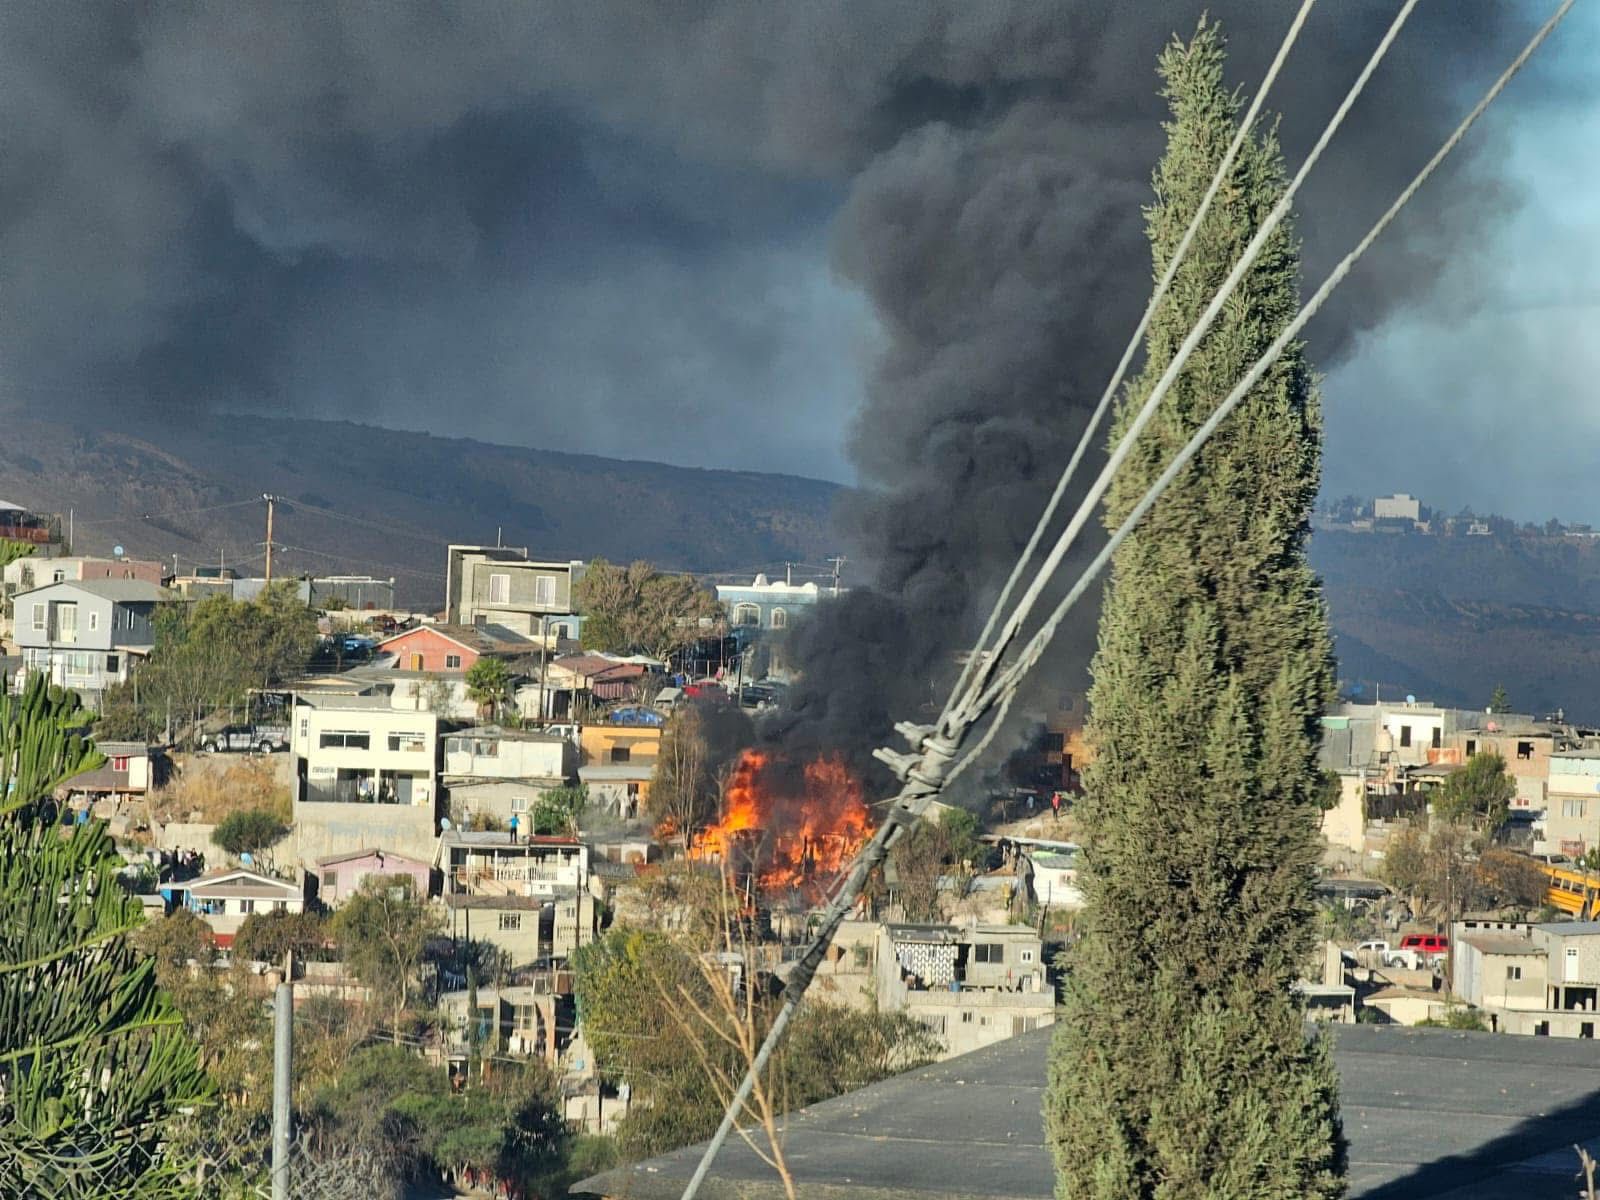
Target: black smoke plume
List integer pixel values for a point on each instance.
(531, 219)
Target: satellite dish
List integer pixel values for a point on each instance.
(444, 824)
(117, 550)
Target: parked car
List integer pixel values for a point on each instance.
(262, 738)
(1381, 954)
(1430, 947)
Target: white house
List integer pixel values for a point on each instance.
(225, 899)
(1400, 506)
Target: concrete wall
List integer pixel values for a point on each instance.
(321, 830)
(1485, 979)
(1345, 824)
(968, 1021)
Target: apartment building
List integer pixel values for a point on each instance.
(366, 776)
(502, 586)
(85, 633)
(500, 773)
(1572, 801)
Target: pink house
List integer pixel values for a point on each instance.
(452, 649)
(339, 876)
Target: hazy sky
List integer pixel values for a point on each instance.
(1489, 394)
(712, 239)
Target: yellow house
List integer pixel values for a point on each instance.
(616, 763)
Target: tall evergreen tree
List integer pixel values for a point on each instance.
(94, 1067)
(1181, 1067)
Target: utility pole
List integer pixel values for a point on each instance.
(282, 1072)
(838, 566)
(543, 651)
(272, 503)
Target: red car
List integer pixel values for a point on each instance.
(1427, 945)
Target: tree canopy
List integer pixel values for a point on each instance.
(489, 683)
(209, 654)
(98, 1071)
(1479, 794)
(383, 932)
(249, 831)
(636, 608)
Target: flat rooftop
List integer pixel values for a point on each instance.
(1430, 1113)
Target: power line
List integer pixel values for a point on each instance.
(924, 771)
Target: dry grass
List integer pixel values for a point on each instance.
(213, 786)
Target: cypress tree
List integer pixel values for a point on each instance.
(1181, 1066)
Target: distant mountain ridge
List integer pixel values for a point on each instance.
(372, 500)
(1449, 618)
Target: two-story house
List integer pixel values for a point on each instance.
(1572, 801)
(970, 986)
(529, 896)
(501, 773)
(366, 776)
(503, 586)
(84, 633)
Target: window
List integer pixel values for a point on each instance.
(1574, 806)
(452, 661)
(510, 922)
(38, 618)
(113, 664)
(779, 619)
(621, 754)
(524, 1016)
(748, 615)
(1438, 737)
(1524, 749)
(79, 663)
(1586, 1029)
(1023, 1025)
(1405, 735)
(966, 1017)
(279, 905)
(305, 726)
(94, 622)
(988, 952)
(330, 880)
(1055, 743)
(66, 622)
(119, 762)
(1027, 956)
(486, 749)
(334, 739)
(544, 590)
(1513, 973)
(1472, 747)
(499, 589)
(58, 576)
(247, 906)
(407, 741)
(519, 804)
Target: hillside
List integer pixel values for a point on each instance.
(156, 485)
(1449, 618)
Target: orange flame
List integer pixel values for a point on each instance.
(793, 839)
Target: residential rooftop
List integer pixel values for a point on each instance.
(1501, 943)
(1430, 1114)
(1570, 928)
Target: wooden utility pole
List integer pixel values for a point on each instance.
(272, 502)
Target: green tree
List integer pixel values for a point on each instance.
(249, 831)
(1180, 1065)
(383, 932)
(489, 683)
(637, 608)
(683, 790)
(1479, 794)
(1499, 702)
(559, 810)
(269, 937)
(11, 550)
(95, 1066)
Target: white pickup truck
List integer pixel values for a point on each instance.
(1382, 954)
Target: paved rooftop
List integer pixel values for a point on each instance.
(1431, 1114)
